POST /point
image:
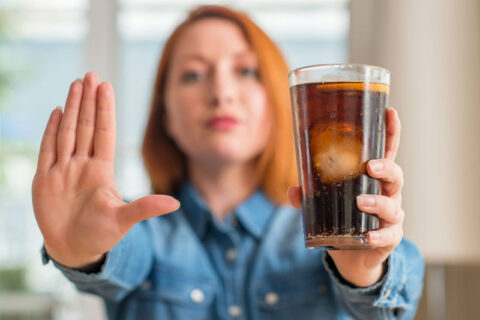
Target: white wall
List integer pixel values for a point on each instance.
(432, 48)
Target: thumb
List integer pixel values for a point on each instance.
(294, 195)
(148, 207)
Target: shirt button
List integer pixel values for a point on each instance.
(234, 311)
(323, 289)
(146, 285)
(386, 294)
(231, 254)
(197, 296)
(271, 298)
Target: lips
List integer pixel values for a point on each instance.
(222, 122)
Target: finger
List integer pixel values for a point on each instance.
(86, 118)
(147, 207)
(104, 139)
(393, 129)
(48, 147)
(294, 195)
(68, 126)
(386, 237)
(389, 173)
(385, 208)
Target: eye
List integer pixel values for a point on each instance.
(191, 76)
(249, 72)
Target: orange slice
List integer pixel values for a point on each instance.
(364, 86)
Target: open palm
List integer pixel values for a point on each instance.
(77, 206)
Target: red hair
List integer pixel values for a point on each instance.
(276, 166)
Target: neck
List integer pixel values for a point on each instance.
(223, 187)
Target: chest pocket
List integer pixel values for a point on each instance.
(303, 295)
(170, 294)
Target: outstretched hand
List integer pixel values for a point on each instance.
(77, 206)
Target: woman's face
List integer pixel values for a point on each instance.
(217, 110)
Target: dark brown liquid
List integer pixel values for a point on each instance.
(343, 125)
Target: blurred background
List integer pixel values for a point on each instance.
(432, 48)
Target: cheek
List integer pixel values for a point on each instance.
(260, 114)
(181, 112)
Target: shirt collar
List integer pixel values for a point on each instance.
(195, 208)
(254, 213)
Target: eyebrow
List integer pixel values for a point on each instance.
(193, 57)
(201, 58)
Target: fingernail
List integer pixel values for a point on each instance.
(59, 108)
(79, 79)
(376, 166)
(373, 236)
(366, 200)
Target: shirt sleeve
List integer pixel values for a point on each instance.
(126, 266)
(395, 296)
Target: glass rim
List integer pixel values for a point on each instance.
(336, 65)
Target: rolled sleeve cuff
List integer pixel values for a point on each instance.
(111, 266)
(126, 266)
(382, 294)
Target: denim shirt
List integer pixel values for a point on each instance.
(252, 265)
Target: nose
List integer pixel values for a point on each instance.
(222, 88)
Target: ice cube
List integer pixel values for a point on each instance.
(336, 151)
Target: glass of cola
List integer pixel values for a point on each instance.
(339, 120)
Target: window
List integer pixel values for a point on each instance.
(42, 45)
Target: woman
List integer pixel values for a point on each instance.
(218, 139)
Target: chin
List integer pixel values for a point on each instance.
(225, 151)
(229, 157)
(230, 154)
